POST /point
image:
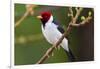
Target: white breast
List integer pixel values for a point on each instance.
(52, 35)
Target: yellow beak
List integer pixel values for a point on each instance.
(39, 17)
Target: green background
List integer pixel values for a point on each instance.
(30, 44)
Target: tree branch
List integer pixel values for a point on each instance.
(78, 11)
(29, 10)
(82, 23)
(71, 13)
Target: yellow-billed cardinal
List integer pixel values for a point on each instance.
(52, 31)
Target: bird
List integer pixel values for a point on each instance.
(53, 31)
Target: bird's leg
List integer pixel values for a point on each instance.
(59, 47)
(55, 46)
(52, 54)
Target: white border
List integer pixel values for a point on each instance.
(38, 2)
(75, 3)
(12, 35)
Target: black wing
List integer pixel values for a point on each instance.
(59, 27)
(62, 31)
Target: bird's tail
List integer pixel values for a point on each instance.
(70, 56)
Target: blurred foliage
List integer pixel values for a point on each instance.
(30, 45)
